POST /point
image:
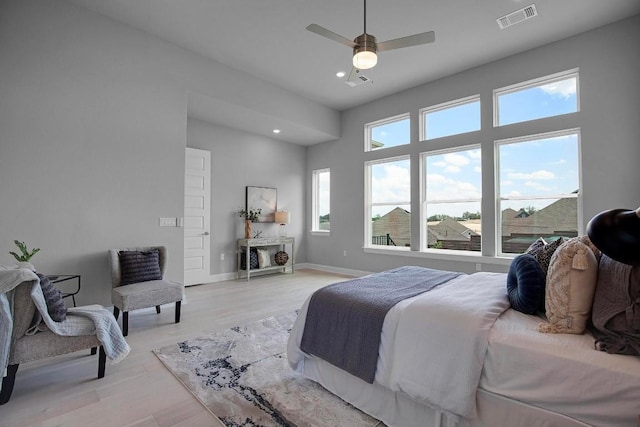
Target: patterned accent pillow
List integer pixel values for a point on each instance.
(139, 266)
(253, 259)
(545, 254)
(572, 278)
(53, 297)
(536, 247)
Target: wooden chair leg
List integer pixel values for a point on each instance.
(116, 312)
(94, 350)
(125, 323)
(157, 309)
(102, 360)
(7, 383)
(178, 305)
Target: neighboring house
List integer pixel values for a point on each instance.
(551, 222)
(519, 229)
(450, 234)
(393, 229)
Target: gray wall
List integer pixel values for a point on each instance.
(239, 159)
(609, 65)
(93, 128)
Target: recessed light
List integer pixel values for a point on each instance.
(276, 131)
(340, 74)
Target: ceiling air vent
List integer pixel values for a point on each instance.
(517, 16)
(356, 79)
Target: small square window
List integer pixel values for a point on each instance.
(387, 133)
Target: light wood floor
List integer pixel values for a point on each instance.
(140, 391)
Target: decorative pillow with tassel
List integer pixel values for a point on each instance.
(571, 284)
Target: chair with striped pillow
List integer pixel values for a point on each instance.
(137, 279)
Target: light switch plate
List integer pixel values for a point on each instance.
(167, 222)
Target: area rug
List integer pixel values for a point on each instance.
(242, 376)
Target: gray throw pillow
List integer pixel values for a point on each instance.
(139, 266)
(53, 297)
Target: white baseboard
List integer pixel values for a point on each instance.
(222, 277)
(330, 269)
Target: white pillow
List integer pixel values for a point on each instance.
(264, 259)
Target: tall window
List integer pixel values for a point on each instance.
(388, 202)
(451, 118)
(532, 181)
(535, 99)
(452, 192)
(539, 185)
(387, 133)
(321, 205)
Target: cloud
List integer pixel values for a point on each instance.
(541, 174)
(564, 88)
(537, 186)
(454, 162)
(392, 184)
(440, 187)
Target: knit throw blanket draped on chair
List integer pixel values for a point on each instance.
(87, 320)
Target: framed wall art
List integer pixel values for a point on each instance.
(264, 198)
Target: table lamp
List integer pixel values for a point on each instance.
(283, 218)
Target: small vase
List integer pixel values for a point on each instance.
(247, 229)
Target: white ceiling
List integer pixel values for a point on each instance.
(267, 38)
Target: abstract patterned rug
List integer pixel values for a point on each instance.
(242, 376)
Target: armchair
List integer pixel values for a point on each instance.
(26, 348)
(137, 279)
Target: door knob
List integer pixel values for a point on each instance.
(206, 233)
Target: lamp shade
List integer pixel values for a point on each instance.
(282, 217)
(616, 233)
(364, 53)
(365, 59)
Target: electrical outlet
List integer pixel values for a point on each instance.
(221, 257)
(478, 267)
(344, 253)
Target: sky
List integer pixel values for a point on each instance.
(531, 173)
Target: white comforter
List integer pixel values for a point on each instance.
(433, 345)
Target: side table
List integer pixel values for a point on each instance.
(55, 278)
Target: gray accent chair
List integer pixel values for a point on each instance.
(27, 348)
(135, 296)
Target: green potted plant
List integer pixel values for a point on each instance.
(24, 259)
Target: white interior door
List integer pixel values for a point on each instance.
(197, 205)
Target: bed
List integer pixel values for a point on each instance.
(458, 355)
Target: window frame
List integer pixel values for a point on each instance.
(497, 191)
(423, 196)
(315, 201)
(540, 81)
(369, 126)
(368, 204)
(422, 112)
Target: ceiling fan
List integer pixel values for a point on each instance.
(366, 48)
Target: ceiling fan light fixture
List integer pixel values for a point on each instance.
(365, 52)
(365, 59)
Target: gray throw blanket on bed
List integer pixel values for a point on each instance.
(344, 320)
(616, 308)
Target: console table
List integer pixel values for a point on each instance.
(280, 242)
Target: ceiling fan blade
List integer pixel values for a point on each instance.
(414, 40)
(314, 28)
